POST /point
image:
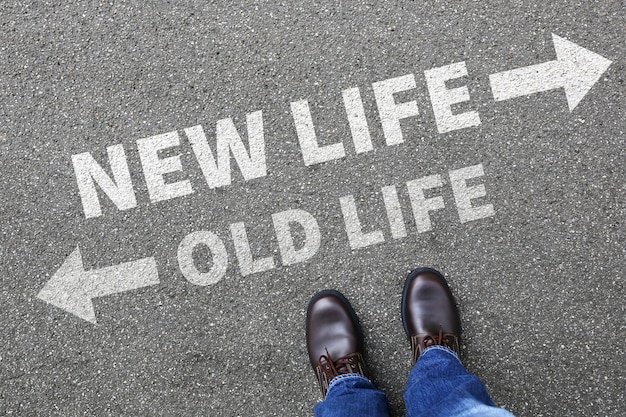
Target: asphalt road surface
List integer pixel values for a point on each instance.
(180, 177)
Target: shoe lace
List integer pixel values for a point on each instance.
(422, 341)
(342, 365)
(328, 368)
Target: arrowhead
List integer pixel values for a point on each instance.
(66, 288)
(582, 68)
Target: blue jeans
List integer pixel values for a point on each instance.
(438, 385)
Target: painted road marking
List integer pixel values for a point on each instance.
(359, 235)
(71, 288)
(576, 69)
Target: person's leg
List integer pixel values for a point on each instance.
(352, 396)
(335, 347)
(438, 385)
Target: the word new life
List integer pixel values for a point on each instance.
(215, 161)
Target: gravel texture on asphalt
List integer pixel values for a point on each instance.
(539, 282)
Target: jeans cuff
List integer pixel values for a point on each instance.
(443, 349)
(339, 378)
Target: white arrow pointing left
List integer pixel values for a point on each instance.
(71, 288)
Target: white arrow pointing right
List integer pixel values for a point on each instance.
(576, 69)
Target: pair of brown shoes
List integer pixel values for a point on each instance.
(335, 339)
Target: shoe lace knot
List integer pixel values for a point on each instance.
(328, 368)
(422, 341)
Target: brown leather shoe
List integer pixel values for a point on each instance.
(429, 312)
(334, 337)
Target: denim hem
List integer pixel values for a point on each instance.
(443, 349)
(341, 377)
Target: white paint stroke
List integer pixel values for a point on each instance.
(72, 288)
(576, 69)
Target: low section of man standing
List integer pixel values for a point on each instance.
(438, 384)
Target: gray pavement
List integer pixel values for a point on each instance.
(199, 275)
